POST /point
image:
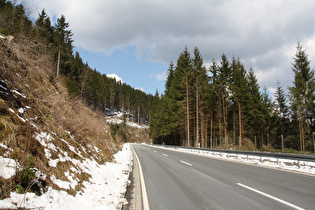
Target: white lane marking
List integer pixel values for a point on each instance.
(270, 196)
(165, 155)
(145, 201)
(186, 163)
(154, 151)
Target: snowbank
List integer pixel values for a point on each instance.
(105, 190)
(286, 164)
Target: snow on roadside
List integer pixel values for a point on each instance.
(286, 164)
(105, 190)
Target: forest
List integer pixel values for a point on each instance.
(88, 85)
(224, 106)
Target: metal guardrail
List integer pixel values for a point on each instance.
(296, 157)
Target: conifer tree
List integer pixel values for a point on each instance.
(224, 79)
(212, 100)
(201, 82)
(254, 106)
(267, 108)
(239, 90)
(156, 118)
(302, 93)
(282, 109)
(170, 108)
(43, 27)
(182, 84)
(63, 41)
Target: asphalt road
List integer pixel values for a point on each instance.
(178, 180)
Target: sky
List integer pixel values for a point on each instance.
(137, 39)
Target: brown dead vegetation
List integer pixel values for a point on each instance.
(34, 101)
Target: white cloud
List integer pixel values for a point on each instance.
(116, 77)
(161, 76)
(262, 33)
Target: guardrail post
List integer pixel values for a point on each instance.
(277, 161)
(299, 164)
(261, 159)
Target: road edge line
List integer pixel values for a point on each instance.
(145, 201)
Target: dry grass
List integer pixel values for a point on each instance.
(27, 68)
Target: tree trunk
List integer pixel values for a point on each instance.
(224, 110)
(301, 127)
(211, 133)
(282, 144)
(240, 124)
(197, 116)
(234, 131)
(187, 107)
(58, 63)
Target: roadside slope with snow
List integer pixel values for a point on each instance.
(104, 190)
(55, 152)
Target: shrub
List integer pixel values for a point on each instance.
(19, 189)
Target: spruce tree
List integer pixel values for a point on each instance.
(239, 92)
(302, 93)
(224, 79)
(212, 100)
(254, 107)
(182, 84)
(200, 88)
(43, 27)
(267, 108)
(282, 109)
(63, 42)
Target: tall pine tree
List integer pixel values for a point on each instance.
(63, 41)
(302, 93)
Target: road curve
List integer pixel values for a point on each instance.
(178, 180)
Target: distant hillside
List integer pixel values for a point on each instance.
(98, 91)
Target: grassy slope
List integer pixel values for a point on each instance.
(34, 102)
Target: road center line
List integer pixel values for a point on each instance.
(270, 196)
(185, 163)
(165, 155)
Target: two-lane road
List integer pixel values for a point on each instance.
(177, 180)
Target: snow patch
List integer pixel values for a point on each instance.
(105, 190)
(287, 164)
(18, 93)
(21, 110)
(116, 77)
(7, 167)
(116, 120)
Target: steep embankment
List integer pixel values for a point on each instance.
(47, 140)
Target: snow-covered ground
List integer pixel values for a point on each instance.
(117, 120)
(285, 164)
(105, 190)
